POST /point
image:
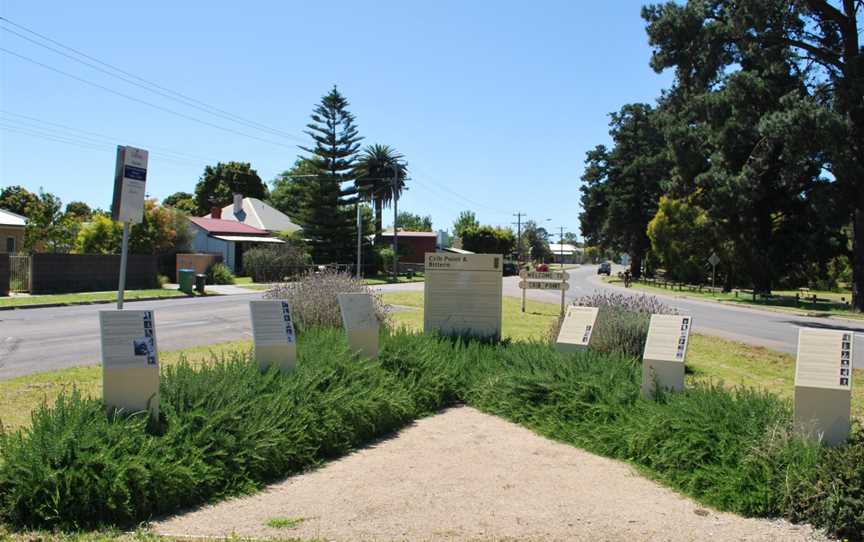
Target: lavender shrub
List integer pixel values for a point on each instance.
(314, 302)
(622, 323)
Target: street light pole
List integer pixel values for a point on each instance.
(395, 225)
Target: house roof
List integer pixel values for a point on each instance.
(402, 233)
(260, 215)
(216, 225)
(566, 248)
(8, 218)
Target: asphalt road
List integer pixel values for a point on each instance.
(775, 330)
(37, 340)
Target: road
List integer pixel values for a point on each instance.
(37, 340)
(775, 330)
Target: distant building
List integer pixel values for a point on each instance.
(254, 212)
(415, 244)
(565, 253)
(229, 238)
(11, 231)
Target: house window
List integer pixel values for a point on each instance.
(10, 244)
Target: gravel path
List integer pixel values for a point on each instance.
(465, 475)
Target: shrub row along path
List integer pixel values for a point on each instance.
(465, 475)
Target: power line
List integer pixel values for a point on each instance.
(110, 139)
(145, 102)
(132, 78)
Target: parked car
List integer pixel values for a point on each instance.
(605, 269)
(510, 269)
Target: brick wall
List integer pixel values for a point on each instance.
(4, 274)
(65, 273)
(198, 262)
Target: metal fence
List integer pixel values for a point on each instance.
(19, 276)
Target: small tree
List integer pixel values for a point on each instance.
(467, 219)
(411, 222)
(16, 199)
(682, 238)
(48, 228)
(489, 240)
(219, 183)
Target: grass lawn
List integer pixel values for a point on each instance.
(86, 297)
(377, 280)
(828, 304)
(516, 326)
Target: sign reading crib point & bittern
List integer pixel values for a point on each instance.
(463, 294)
(576, 329)
(130, 362)
(665, 350)
(361, 322)
(823, 384)
(273, 334)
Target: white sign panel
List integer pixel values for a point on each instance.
(130, 179)
(128, 339)
(130, 361)
(824, 359)
(463, 294)
(667, 337)
(273, 333)
(543, 285)
(576, 329)
(361, 322)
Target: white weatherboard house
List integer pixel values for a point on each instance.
(229, 238)
(254, 212)
(565, 253)
(11, 231)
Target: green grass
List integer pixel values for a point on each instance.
(377, 280)
(86, 297)
(828, 303)
(284, 523)
(532, 325)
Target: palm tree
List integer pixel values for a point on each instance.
(374, 177)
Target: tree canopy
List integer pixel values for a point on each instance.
(219, 183)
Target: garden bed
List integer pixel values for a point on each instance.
(229, 430)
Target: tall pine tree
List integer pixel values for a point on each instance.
(326, 210)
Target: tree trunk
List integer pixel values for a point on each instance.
(636, 265)
(858, 255)
(378, 209)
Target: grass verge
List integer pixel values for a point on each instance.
(86, 297)
(828, 304)
(377, 280)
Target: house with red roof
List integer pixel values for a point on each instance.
(229, 238)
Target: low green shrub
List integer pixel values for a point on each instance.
(227, 429)
(275, 264)
(219, 273)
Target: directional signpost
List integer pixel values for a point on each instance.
(130, 179)
(713, 260)
(544, 280)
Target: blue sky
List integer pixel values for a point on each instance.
(494, 104)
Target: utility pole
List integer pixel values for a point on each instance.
(395, 225)
(519, 237)
(358, 274)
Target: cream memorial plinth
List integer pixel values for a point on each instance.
(576, 329)
(823, 384)
(130, 363)
(665, 350)
(462, 294)
(361, 323)
(273, 334)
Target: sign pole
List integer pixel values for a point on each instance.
(561, 255)
(124, 252)
(523, 300)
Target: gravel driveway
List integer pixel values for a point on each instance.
(465, 475)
